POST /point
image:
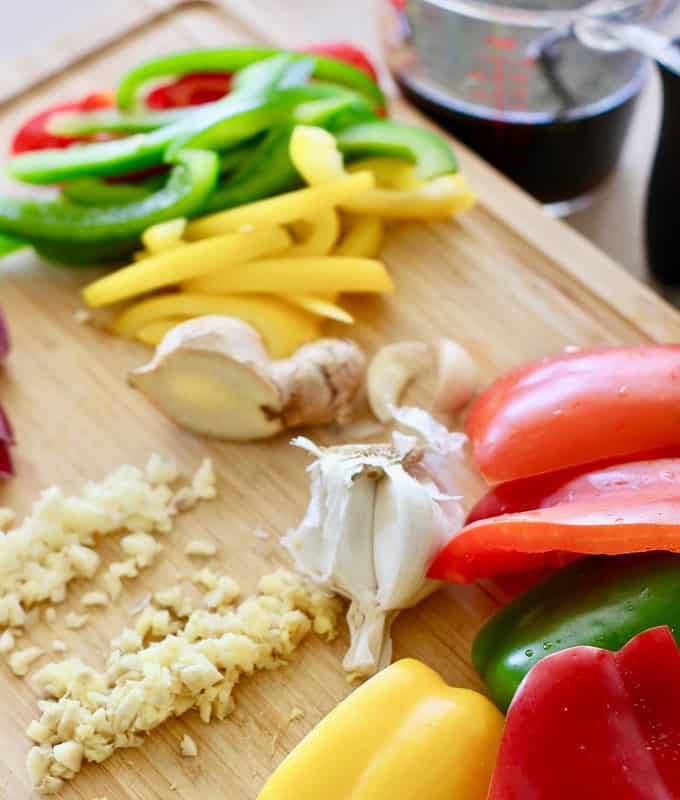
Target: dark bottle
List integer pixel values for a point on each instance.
(663, 208)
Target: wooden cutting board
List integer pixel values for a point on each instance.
(504, 279)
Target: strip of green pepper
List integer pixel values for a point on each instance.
(191, 181)
(10, 244)
(599, 601)
(94, 192)
(430, 153)
(253, 182)
(233, 59)
(250, 114)
(110, 120)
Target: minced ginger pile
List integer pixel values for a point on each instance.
(175, 658)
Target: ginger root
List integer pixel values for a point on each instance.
(212, 375)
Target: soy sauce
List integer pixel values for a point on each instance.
(555, 160)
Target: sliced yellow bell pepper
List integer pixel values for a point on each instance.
(297, 276)
(440, 197)
(164, 236)
(324, 233)
(282, 209)
(315, 155)
(154, 332)
(320, 306)
(363, 237)
(403, 735)
(183, 263)
(389, 173)
(283, 327)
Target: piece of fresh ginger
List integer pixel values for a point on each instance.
(212, 375)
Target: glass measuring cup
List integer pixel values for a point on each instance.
(552, 117)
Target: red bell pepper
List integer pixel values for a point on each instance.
(630, 521)
(5, 341)
(591, 724)
(577, 408)
(578, 483)
(190, 90)
(343, 51)
(33, 134)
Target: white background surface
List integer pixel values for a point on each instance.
(614, 222)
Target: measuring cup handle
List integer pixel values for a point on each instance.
(663, 212)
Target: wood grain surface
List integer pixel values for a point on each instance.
(505, 280)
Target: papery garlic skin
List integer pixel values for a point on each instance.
(377, 516)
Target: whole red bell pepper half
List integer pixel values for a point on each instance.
(592, 724)
(576, 408)
(627, 521)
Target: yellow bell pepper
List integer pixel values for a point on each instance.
(389, 173)
(321, 306)
(164, 236)
(322, 236)
(315, 155)
(363, 237)
(154, 332)
(282, 209)
(182, 263)
(403, 735)
(283, 327)
(438, 198)
(297, 276)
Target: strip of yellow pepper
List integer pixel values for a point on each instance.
(182, 263)
(402, 735)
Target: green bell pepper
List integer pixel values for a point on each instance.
(10, 244)
(251, 182)
(234, 59)
(110, 120)
(191, 181)
(242, 114)
(95, 192)
(430, 152)
(601, 601)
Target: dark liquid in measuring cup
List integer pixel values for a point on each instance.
(555, 160)
(555, 125)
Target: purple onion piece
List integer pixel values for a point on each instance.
(5, 341)
(6, 432)
(6, 466)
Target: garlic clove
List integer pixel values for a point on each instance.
(458, 377)
(390, 371)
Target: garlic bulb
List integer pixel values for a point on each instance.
(377, 516)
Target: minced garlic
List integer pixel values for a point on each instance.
(7, 642)
(75, 621)
(95, 599)
(188, 747)
(201, 548)
(20, 661)
(197, 666)
(55, 543)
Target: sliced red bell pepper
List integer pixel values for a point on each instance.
(578, 483)
(33, 134)
(190, 90)
(343, 51)
(631, 521)
(5, 341)
(577, 408)
(591, 724)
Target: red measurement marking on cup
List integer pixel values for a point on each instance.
(500, 42)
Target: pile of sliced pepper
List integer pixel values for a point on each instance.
(238, 104)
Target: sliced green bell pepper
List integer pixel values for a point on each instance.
(244, 112)
(266, 171)
(191, 181)
(95, 192)
(430, 152)
(10, 244)
(601, 601)
(110, 120)
(233, 59)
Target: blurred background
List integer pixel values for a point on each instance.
(33, 28)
